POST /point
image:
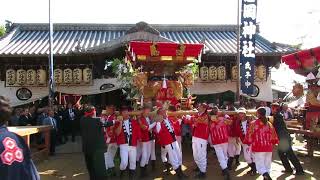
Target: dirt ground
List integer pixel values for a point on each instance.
(69, 164)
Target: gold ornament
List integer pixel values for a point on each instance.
(11, 76)
(213, 74)
(31, 77)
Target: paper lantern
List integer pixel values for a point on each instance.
(204, 74)
(67, 75)
(234, 73)
(77, 75)
(31, 77)
(11, 77)
(221, 73)
(87, 75)
(21, 76)
(58, 76)
(41, 77)
(213, 74)
(262, 72)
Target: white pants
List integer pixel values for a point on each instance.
(146, 153)
(173, 151)
(179, 139)
(153, 150)
(222, 154)
(263, 161)
(247, 153)
(139, 150)
(128, 154)
(199, 149)
(110, 154)
(234, 148)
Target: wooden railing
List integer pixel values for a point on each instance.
(27, 131)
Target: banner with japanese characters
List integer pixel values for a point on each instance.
(247, 45)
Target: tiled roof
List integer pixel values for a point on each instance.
(32, 39)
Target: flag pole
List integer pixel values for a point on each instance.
(238, 53)
(50, 62)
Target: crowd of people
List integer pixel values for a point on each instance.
(63, 119)
(139, 136)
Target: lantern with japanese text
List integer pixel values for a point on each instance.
(67, 75)
(87, 75)
(204, 74)
(31, 77)
(21, 76)
(221, 73)
(234, 73)
(213, 74)
(11, 76)
(77, 75)
(41, 77)
(58, 76)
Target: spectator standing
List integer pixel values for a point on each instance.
(70, 118)
(265, 106)
(50, 120)
(14, 120)
(24, 119)
(287, 113)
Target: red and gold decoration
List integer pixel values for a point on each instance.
(188, 78)
(164, 51)
(140, 80)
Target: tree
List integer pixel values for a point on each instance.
(2, 30)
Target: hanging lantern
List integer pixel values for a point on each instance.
(21, 76)
(262, 72)
(67, 76)
(58, 76)
(204, 74)
(41, 77)
(31, 77)
(87, 75)
(221, 73)
(11, 77)
(77, 75)
(234, 73)
(213, 74)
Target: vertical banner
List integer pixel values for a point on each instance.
(247, 45)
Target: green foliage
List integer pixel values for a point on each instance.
(2, 30)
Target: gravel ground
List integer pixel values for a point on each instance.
(69, 164)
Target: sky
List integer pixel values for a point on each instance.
(284, 21)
